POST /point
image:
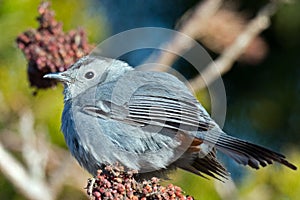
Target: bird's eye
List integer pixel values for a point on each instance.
(89, 75)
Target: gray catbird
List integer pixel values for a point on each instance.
(148, 121)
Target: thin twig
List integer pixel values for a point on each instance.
(193, 27)
(61, 167)
(35, 158)
(15, 172)
(224, 63)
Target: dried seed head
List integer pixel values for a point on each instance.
(49, 49)
(113, 182)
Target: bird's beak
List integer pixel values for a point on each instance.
(61, 76)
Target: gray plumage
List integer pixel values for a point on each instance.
(148, 121)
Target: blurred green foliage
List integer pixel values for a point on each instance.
(287, 24)
(16, 96)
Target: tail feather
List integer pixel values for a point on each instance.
(247, 153)
(208, 165)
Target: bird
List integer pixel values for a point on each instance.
(148, 121)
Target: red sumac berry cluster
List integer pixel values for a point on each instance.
(49, 49)
(113, 183)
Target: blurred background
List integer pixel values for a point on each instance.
(262, 88)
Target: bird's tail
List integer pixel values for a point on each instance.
(207, 165)
(246, 153)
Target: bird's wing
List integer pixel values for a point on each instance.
(157, 99)
(145, 99)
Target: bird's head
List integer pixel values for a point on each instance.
(86, 73)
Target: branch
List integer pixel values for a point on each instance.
(194, 26)
(15, 172)
(30, 179)
(234, 51)
(35, 158)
